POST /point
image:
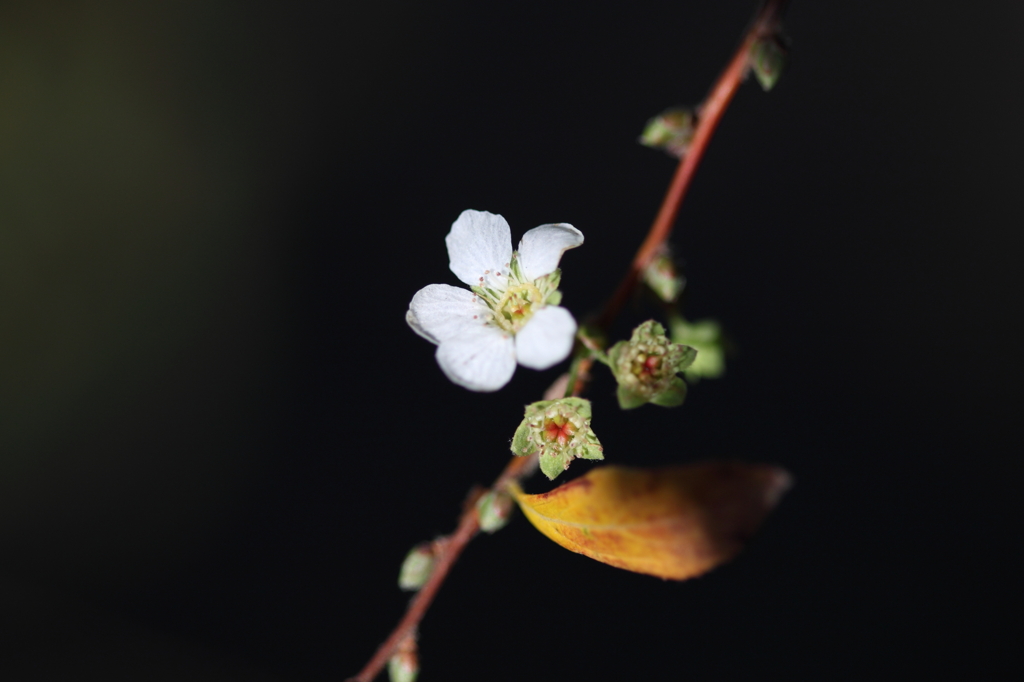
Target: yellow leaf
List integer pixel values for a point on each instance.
(676, 522)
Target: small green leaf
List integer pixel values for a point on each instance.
(767, 59)
(416, 568)
(661, 276)
(671, 131)
(558, 431)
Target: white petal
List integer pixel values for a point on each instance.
(439, 311)
(411, 320)
(542, 247)
(482, 358)
(480, 246)
(546, 339)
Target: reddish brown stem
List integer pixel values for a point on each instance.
(709, 115)
(519, 467)
(450, 549)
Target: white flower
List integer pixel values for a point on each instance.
(511, 313)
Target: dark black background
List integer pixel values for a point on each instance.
(219, 438)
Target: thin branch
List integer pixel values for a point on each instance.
(519, 468)
(709, 115)
(450, 549)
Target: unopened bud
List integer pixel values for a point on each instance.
(558, 431)
(416, 568)
(646, 367)
(494, 509)
(670, 131)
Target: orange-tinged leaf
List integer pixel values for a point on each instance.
(675, 522)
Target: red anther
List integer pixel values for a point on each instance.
(651, 364)
(553, 431)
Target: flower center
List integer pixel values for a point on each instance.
(558, 429)
(647, 368)
(517, 306)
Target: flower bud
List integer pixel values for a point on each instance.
(670, 131)
(417, 567)
(646, 368)
(559, 431)
(494, 509)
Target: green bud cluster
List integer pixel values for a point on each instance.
(558, 431)
(646, 368)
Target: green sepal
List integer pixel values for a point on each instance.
(615, 351)
(521, 442)
(553, 464)
(554, 298)
(591, 451)
(551, 280)
(628, 399)
(672, 396)
(687, 357)
(767, 60)
(558, 431)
